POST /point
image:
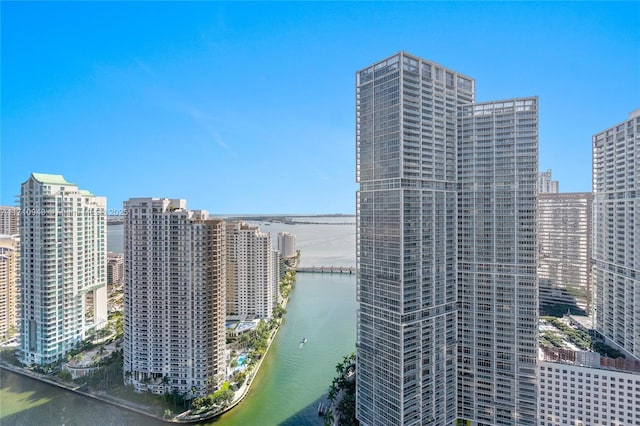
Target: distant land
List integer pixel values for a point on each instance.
(118, 219)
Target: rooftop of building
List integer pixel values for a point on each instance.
(394, 60)
(560, 196)
(588, 359)
(241, 326)
(568, 340)
(9, 240)
(50, 179)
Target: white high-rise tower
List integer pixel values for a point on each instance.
(250, 288)
(63, 267)
(616, 236)
(497, 259)
(546, 184)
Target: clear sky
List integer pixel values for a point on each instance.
(249, 107)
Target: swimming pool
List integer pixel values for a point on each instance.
(242, 359)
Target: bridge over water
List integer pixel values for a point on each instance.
(327, 269)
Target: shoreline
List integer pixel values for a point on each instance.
(246, 386)
(140, 408)
(102, 397)
(244, 389)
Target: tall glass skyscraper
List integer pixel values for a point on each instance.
(497, 260)
(616, 237)
(446, 232)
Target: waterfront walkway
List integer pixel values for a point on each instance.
(327, 269)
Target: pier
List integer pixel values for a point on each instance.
(327, 269)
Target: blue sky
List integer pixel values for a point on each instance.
(249, 107)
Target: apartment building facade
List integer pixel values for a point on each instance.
(9, 220)
(564, 241)
(63, 267)
(580, 389)
(616, 235)
(9, 285)
(287, 244)
(115, 269)
(497, 258)
(174, 285)
(276, 260)
(546, 185)
(250, 288)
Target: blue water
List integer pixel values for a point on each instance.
(330, 244)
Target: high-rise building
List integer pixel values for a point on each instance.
(63, 267)
(546, 184)
(174, 335)
(446, 249)
(276, 259)
(497, 258)
(9, 284)
(9, 220)
(250, 288)
(616, 236)
(287, 244)
(564, 242)
(115, 269)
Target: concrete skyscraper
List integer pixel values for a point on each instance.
(9, 220)
(9, 284)
(63, 267)
(564, 240)
(276, 259)
(546, 184)
(616, 236)
(287, 244)
(174, 336)
(250, 287)
(445, 237)
(115, 269)
(497, 259)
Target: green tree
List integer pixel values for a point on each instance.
(279, 311)
(344, 384)
(198, 403)
(328, 417)
(64, 375)
(239, 377)
(333, 391)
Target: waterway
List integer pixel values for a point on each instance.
(29, 402)
(293, 379)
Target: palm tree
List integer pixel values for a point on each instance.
(333, 391)
(328, 417)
